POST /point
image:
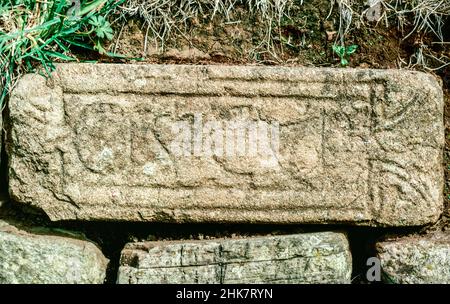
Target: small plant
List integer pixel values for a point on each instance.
(34, 34)
(344, 52)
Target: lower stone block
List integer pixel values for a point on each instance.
(29, 258)
(301, 258)
(416, 259)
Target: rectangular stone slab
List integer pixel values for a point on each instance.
(416, 259)
(96, 142)
(36, 255)
(301, 258)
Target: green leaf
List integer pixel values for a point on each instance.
(102, 27)
(351, 49)
(114, 55)
(79, 44)
(4, 8)
(344, 61)
(340, 50)
(59, 56)
(62, 46)
(91, 7)
(99, 47)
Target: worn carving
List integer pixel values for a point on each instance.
(97, 142)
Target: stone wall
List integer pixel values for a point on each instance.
(318, 149)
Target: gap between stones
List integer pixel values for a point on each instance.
(3, 158)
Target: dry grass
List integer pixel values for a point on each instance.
(427, 16)
(418, 16)
(166, 18)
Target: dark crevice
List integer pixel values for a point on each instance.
(3, 161)
(362, 247)
(446, 28)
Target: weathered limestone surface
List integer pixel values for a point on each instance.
(416, 259)
(27, 258)
(302, 258)
(359, 146)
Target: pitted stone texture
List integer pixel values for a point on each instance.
(416, 259)
(28, 258)
(354, 146)
(302, 258)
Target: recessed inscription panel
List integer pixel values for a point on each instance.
(230, 144)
